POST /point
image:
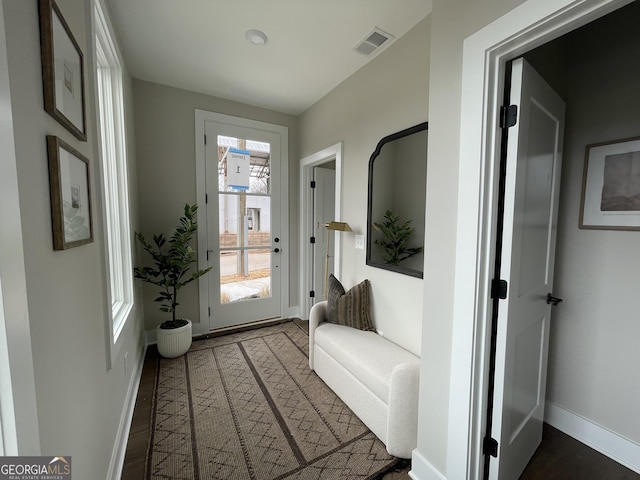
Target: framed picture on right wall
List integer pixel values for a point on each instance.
(611, 186)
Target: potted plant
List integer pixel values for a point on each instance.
(394, 243)
(172, 260)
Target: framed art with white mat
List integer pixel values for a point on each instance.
(611, 186)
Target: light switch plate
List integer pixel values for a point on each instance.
(360, 242)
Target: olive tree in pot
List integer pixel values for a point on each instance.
(172, 260)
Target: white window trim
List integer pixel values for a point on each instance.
(115, 185)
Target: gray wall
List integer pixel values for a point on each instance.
(387, 95)
(80, 402)
(165, 139)
(593, 354)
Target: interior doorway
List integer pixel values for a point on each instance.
(531, 161)
(316, 206)
(595, 318)
(324, 200)
(485, 55)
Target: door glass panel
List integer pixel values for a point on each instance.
(259, 173)
(244, 219)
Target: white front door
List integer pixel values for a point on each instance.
(534, 156)
(244, 241)
(324, 201)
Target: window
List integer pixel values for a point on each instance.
(111, 132)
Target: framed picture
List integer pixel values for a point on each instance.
(70, 195)
(62, 70)
(611, 186)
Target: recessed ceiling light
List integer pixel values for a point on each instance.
(256, 37)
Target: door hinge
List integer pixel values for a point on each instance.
(209, 311)
(313, 184)
(490, 446)
(206, 198)
(499, 288)
(312, 294)
(205, 139)
(312, 240)
(508, 116)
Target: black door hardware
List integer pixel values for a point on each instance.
(551, 300)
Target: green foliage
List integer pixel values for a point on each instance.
(394, 243)
(172, 264)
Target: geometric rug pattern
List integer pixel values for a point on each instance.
(247, 406)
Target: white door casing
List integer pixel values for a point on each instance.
(534, 160)
(213, 314)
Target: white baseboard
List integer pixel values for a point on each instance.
(120, 446)
(150, 337)
(421, 469)
(291, 312)
(614, 446)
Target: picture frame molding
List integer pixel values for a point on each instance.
(47, 10)
(54, 145)
(588, 170)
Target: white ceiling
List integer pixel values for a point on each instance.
(200, 45)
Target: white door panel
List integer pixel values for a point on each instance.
(534, 156)
(244, 242)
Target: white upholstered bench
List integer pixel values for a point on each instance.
(376, 378)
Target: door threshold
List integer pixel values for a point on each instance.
(218, 332)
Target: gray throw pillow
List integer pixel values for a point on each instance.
(351, 308)
(334, 291)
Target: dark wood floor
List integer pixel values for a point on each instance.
(136, 454)
(558, 457)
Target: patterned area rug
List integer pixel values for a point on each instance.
(247, 406)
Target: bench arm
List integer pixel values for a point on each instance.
(316, 317)
(402, 428)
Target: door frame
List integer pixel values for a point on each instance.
(485, 53)
(19, 425)
(202, 116)
(334, 152)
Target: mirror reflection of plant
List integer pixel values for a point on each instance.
(396, 235)
(171, 266)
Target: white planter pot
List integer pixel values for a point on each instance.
(174, 342)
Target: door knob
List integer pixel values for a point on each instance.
(551, 300)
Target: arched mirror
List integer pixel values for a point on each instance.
(396, 203)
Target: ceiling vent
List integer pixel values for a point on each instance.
(373, 41)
